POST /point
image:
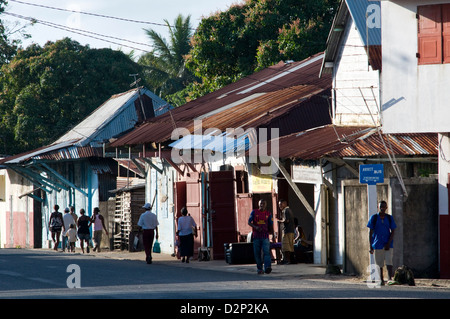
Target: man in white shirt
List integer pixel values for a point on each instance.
(149, 223)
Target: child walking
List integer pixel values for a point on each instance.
(71, 234)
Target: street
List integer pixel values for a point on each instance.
(43, 274)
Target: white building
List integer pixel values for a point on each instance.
(356, 58)
(353, 59)
(415, 85)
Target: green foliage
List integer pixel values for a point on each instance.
(8, 48)
(164, 67)
(48, 90)
(254, 35)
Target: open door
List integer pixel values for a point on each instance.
(180, 201)
(244, 204)
(193, 200)
(221, 185)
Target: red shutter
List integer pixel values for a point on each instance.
(430, 34)
(446, 32)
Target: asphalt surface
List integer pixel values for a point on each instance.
(45, 274)
(299, 270)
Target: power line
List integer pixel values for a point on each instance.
(95, 35)
(94, 14)
(86, 33)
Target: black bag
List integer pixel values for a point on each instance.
(403, 275)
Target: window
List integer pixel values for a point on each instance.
(434, 34)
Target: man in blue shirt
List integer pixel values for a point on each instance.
(381, 238)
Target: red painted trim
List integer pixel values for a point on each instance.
(444, 225)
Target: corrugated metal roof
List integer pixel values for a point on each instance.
(367, 18)
(102, 165)
(73, 152)
(27, 155)
(253, 101)
(355, 141)
(115, 116)
(111, 118)
(223, 142)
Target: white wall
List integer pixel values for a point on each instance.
(415, 97)
(16, 214)
(352, 73)
(163, 184)
(444, 170)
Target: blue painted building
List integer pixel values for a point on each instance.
(75, 170)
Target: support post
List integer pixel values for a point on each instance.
(372, 209)
(296, 190)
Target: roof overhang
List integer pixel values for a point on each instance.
(334, 38)
(367, 18)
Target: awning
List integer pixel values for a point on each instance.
(234, 142)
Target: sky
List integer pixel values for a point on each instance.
(153, 12)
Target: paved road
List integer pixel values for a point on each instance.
(43, 274)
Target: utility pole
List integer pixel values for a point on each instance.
(135, 83)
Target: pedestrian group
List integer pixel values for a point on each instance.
(72, 228)
(381, 234)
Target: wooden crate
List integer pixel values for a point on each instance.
(128, 209)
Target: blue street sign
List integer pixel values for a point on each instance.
(371, 174)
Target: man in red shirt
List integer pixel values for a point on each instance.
(261, 222)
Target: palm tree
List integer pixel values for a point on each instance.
(164, 67)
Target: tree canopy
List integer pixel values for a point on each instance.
(48, 90)
(8, 47)
(254, 35)
(164, 68)
(45, 91)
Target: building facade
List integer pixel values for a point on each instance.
(415, 81)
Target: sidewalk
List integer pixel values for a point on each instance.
(298, 271)
(277, 270)
(295, 271)
(305, 271)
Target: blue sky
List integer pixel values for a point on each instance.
(154, 11)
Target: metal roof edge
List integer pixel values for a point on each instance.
(125, 105)
(334, 36)
(114, 96)
(97, 131)
(15, 159)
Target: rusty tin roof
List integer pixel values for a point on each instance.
(355, 141)
(258, 100)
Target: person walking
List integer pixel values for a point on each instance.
(99, 225)
(55, 225)
(261, 222)
(186, 225)
(68, 220)
(84, 234)
(74, 215)
(381, 239)
(148, 222)
(71, 235)
(288, 228)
